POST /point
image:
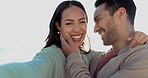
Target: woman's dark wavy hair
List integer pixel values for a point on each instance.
(53, 36)
(113, 5)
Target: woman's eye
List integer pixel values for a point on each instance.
(68, 23)
(82, 22)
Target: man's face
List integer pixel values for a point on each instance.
(105, 25)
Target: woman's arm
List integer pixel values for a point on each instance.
(37, 68)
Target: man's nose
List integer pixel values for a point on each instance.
(96, 28)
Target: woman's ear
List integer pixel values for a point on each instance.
(58, 26)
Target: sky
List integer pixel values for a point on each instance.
(24, 26)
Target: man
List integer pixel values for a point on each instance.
(114, 21)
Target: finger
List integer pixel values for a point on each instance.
(133, 43)
(64, 45)
(141, 37)
(68, 39)
(63, 41)
(135, 39)
(144, 41)
(130, 38)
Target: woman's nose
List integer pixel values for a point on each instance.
(77, 28)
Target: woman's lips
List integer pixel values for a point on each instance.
(76, 38)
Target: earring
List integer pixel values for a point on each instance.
(58, 32)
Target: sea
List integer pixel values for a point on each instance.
(17, 54)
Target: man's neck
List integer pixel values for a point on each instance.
(120, 45)
(122, 41)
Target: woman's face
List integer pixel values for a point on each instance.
(74, 22)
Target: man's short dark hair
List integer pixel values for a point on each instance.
(113, 5)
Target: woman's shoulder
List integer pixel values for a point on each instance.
(50, 51)
(52, 47)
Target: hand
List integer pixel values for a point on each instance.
(139, 38)
(68, 46)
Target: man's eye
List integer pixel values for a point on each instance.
(98, 20)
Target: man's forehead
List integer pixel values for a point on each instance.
(97, 12)
(99, 9)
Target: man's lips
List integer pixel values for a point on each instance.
(101, 32)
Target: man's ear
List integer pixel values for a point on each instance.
(122, 13)
(58, 26)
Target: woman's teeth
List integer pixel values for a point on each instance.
(77, 36)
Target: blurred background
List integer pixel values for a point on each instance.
(24, 26)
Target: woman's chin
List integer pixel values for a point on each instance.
(78, 43)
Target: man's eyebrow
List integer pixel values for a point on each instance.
(96, 17)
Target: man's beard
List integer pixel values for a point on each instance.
(110, 37)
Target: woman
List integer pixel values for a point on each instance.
(69, 16)
(50, 61)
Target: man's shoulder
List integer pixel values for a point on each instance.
(140, 48)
